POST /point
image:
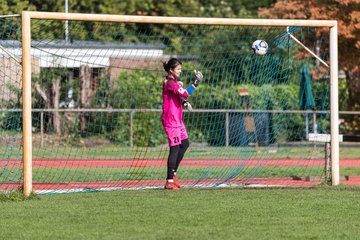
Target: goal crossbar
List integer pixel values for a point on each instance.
(180, 20)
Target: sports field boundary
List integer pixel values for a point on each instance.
(88, 163)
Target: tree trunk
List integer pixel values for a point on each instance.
(352, 122)
(85, 98)
(48, 116)
(56, 103)
(353, 84)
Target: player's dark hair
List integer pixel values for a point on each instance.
(171, 64)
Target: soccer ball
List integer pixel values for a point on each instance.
(260, 47)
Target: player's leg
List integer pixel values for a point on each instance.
(183, 147)
(171, 162)
(174, 138)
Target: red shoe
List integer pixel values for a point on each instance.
(176, 181)
(171, 186)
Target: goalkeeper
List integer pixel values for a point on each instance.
(174, 99)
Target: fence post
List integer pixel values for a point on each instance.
(314, 123)
(132, 113)
(307, 126)
(327, 162)
(42, 128)
(227, 129)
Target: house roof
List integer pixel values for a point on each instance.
(82, 44)
(59, 53)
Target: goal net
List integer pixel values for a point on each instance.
(96, 104)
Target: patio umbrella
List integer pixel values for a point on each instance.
(307, 101)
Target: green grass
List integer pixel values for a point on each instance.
(200, 153)
(314, 213)
(116, 152)
(350, 171)
(15, 196)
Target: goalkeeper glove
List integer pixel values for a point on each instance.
(187, 105)
(198, 77)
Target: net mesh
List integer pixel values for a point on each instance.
(10, 100)
(97, 104)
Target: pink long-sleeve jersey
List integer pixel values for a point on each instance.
(172, 94)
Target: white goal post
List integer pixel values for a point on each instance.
(27, 16)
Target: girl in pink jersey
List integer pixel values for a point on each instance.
(174, 98)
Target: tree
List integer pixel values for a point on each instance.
(15, 7)
(347, 13)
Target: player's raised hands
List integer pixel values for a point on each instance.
(198, 77)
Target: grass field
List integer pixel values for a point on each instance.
(194, 152)
(313, 213)
(161, 152)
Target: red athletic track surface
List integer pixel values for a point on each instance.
(89, 163)
(94, 186)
